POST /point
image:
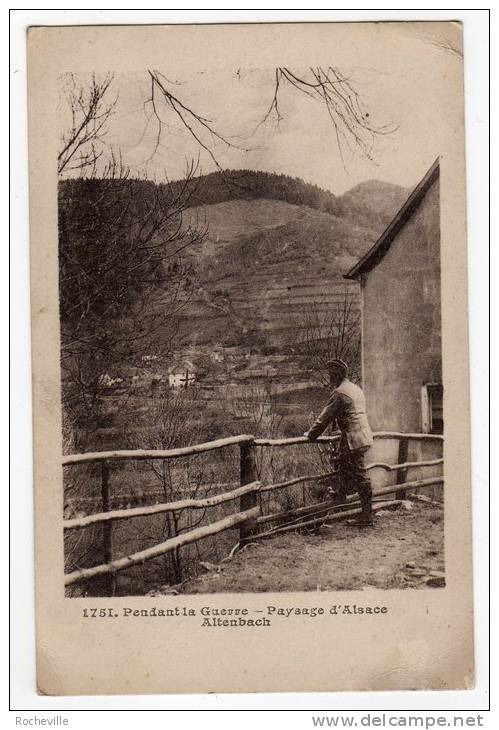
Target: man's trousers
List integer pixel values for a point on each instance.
(353, 476)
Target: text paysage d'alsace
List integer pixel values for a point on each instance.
(214, 617)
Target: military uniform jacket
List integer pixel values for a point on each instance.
(346, 406)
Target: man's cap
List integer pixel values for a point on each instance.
(338, 364)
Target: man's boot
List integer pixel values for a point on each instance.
(365, 519)
(362, 521)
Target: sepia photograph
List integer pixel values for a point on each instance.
(251, 362)
(250, 358)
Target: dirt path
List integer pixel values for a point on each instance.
(404, 550)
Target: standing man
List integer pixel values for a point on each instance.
(347, 406)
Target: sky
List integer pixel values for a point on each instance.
(402, 81)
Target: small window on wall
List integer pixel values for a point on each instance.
(432, 408)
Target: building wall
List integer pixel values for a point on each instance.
(177, 380)
(402, 321)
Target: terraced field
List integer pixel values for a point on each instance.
(263, 265)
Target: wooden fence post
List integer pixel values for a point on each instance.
(107, 528)
(402, 473)
(248, 475)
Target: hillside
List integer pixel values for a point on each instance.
(219, 187)
(275, 248)
(269, 228)
(367, 203)
(372, 203)
(266, 261)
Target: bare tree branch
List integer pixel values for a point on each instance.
(334, 91)
(320, 336)
(124, 277)
(196, 124)
(81, 144)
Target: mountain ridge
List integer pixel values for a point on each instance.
(221, 186)
(275, 248)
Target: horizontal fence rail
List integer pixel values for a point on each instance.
(249, 517)
(336, 436)
(162, 548)
(297, 511)
(156, 509)
(324, 508)
(296, 480)
(416, 484)
(297, 440)
(411, 436)
(406, 465)
(321, 513)
(320, 520)
(141, 455)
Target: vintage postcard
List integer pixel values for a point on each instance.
(250, 358)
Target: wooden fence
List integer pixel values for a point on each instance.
(249, 517)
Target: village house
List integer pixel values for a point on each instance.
(182, 374)
(108, 381)
(401, 316)
(217, 354)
